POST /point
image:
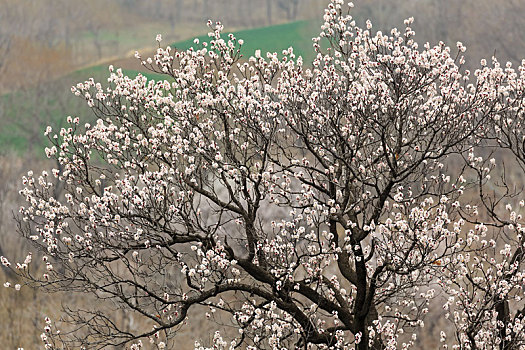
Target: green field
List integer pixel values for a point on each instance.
(272, 39)
(24, 115)
(267, 39)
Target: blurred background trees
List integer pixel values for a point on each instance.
(49, 45)
(43, 40)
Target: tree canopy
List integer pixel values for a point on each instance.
(315, 207)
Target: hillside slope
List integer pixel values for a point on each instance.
(25, 114)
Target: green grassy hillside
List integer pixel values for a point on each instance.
(267, 39)
(25, 114)
(272, 39)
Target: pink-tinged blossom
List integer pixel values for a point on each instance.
(326, 198)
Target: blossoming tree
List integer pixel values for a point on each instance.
(321, 207)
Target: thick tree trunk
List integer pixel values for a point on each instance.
(502, 308)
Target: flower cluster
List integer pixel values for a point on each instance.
(318, 206)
